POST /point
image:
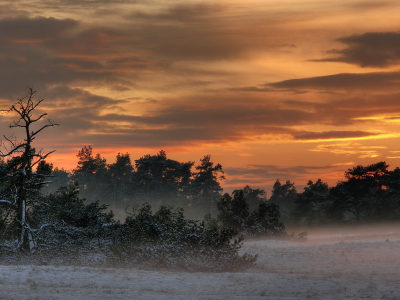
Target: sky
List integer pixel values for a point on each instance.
(278, 89)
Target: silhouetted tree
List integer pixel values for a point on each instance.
(121, 177)
(160, 180)
(285, 196)
(22, 158)
(205, 186)
(254, 197)
(234, 212)
(59, 178)
(312, 204)
(369, 193)
(91, 175)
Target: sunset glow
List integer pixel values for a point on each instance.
(272, 90)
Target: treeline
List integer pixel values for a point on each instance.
(154, 179)
(367, 194)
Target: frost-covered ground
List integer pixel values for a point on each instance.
(327, 266)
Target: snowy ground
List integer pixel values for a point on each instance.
(327, 266)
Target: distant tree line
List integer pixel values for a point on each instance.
(153, 179)
(367, 194)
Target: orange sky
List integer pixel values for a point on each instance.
(271, 89)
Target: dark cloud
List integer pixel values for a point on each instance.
(219, 115)
(260, 88)
(182, 13)
(62, 4)
(349, 110)
(120, 88)
(371, 49)
(272, 172)
(44, 52)
(204, 32)
(379, 82)
(331, 135)
(370, 5)
(264, 88)
(37, 30)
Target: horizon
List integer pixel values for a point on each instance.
(267, 187)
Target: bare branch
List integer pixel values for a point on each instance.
(34, 106)
(45, 126)
(11, 142)
(37, 119)
(13, 150)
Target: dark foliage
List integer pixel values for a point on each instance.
(154, 179)
(234, 212)
(312, 206)
(66, 208)
(369, 194)
(284, 195)
(158, 179)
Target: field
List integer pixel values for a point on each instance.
(357, 264)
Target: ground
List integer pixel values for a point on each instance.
(334, 265)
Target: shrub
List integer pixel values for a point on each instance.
(163, 240)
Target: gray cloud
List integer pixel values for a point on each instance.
(371, 49)
(379, 82)
(44, 52)
(260, 173)
(370, 5)
(331, 135)
(185, 13)
(204, 32)
(37, 30)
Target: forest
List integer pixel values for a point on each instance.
(368, 193)
(157, 212)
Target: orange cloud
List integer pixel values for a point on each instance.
(350, 149)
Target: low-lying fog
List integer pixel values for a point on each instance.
(356, 263)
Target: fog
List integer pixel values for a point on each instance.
(354, 262)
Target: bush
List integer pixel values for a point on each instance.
(65, 207)
(167, 240)
(163, 240)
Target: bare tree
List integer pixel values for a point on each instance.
(22, 157)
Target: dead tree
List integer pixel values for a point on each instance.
(22, 157)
